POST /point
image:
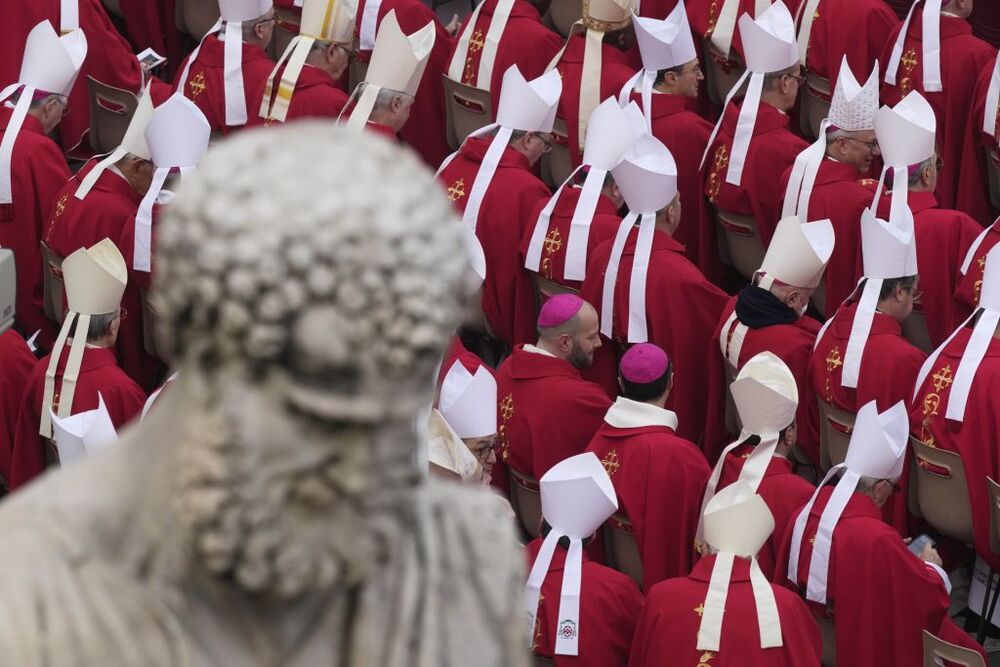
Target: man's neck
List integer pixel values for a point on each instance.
(920, 187)
(548, 347)
(773, 99)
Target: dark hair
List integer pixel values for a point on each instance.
(662, 74)
(563, 541)
(889, 286)
(646, 391)
(754, 440)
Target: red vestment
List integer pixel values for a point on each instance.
(153, 24)
(793, 344)
(686, 134)
(603, 226)
(944, 237)
(16, 363)
(870, 23)
(37, 172)
(963, 57)
(316, 95)
(615, 72)
(973, 196)
(525, 42)
(142, 367)
(660, 480)
(609, 606)
(425, 131)
(98, 373)
(456, 351)
(838, 195)
(971, 284)
(882, 596)
(703, 15)
(975, 437)
(681, 309)
(784, 492)
(773, 149)
(205, 84)
(504, 215)
(667, 631)
(546, 412)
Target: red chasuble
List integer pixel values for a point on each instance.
(975, 437)
(425, 131)
(660, 480)
(944, 237)
(205, 85)
(793, 344)
(682, 307)
(110, 59)
(316, 95)
(973, 194)
(686, 134)
(615, 72)
(546, 412)
(882, 596)
(971, 284)
(703, 15)
(504, 217)
(16, 363)
(98, 373)
(609, 606)
(869, 22)
(784, 492)
(37, 172)
(142, 367)
(839, 196)
(603, 226)
(963, 57)
(525, 42)
(773, 149)
(667, 632)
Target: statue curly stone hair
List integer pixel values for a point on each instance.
(273, 508)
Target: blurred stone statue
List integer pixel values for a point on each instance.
(272, 509)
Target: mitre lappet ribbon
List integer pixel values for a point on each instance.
(568, 628)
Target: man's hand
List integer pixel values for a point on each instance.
(452, 27)
(930, 555)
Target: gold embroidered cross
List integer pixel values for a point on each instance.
(713, 15)
(61, 205)
(197, 85)
(705, 657)
(456, 190)
(721, 157)
(553, 242)
(507, 407)
(700, 609)
(982, 260)
(833, 360)
(977, 289)
(909, 59)
(610, 463)
(476, 43)
(943, 378)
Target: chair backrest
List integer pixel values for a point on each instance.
(994, 490)
(937, 650)
(993, 175)
(915, 330)
(526, 500)
(149, 319)
(621, 549)
(942, 491)
(743, 243)
(815, 104)
(835, 427)
(829, 637)
(196, 17)
(545, 289)
(467, 109)
(556, 164)
(286, 28)
(111, 111)
(52, 284)
(564, 13)
(721, 73)
(541, 661)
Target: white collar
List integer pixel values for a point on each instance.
(626, 413)
(528, 347)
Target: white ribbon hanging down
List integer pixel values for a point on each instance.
(533, 257)
(142, 252)
(45, 426)
(802, 178)
(819, 563)
(69, 16)
(932, 46)
(892, 67)
(932, 359)
(88, 182)
(590, 82)
(369, 22)
(498, 22)
(569, 601)
(273, 104)
(744, 129)
(78, 324)
(484, 176)
(10, 136)
(638, 332)
(992, 102)
(725, 27)
(799, 527)
(899, 193)
(861, 327)
(731, 346)
(807, 14)
(644, 79)
(456, 68)
(722, 116)
(578, 239)
(363, 109)
(713, 483)
(768, 620)
(971, 359)
(974, 248)
(611, 273)
(236, 102)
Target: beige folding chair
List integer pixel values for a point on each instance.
(111, 111)
(563, 14)
(936, 650)
(149, 319)
(556, 164)
(621, 549)
(744, 246)
(835, 427)
(541, 661)
(993, 175)
(829, 637)
(815, 104)
(942, 491)
(196, 17)
(467, 109)
(721, 73)
(52, 284)
(526, 500)
(915, 330)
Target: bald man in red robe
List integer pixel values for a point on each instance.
(659, 477)
(16, 363)
(973, 196)
(547, 412)
(426, 131)
(504, 218)
(609, 606)
(525, 42)
(870, 23)
(963, 57)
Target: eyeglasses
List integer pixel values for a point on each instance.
(696, 70)
(351, 53)
(547, 140)
(872, 145)
(799, 79)
(917, 294)
(273, 19)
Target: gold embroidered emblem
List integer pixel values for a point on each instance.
(713, 16)
(720, 161)
(700, 609)
(833, 360)
(475, 45)
(812, 540)
(703, 661)
(456, 190)
(197, 85)
(553, 242)
(610, 463)
(536, 636)
(477, 42)
(943, 378)
(908, 61)
(932, 401)
(506, 408)
(61, 205)
(977, 287)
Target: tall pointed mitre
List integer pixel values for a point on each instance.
(876, 451)
(577, 497)
(737, 524)
(324, 20)
(930, 46)
(398, 62)
(852, 109)
(95, 280)
(488, 49)
(769, 45)
(233, 14)
(468, 401)
(798, 253)
(906, 137)
(50, 65)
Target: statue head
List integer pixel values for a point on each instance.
(306, 283)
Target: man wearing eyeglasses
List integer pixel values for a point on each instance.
(229, 101)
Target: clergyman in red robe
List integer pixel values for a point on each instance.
(869, 21)
(16, 363)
